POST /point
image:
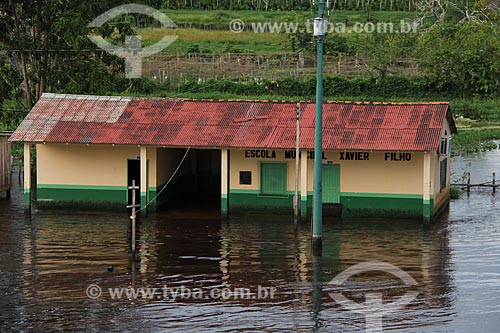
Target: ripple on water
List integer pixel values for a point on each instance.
(49, 260)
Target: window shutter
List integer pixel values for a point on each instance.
(443, 173)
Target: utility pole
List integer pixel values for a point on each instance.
(297, 153)
(319, 30)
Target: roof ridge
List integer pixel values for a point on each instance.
(188, 99)
(87, 97)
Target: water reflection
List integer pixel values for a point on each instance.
(49, 260)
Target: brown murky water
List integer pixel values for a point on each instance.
(48, 261)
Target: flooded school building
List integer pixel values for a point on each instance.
(379, 159)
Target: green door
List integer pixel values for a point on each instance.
(273, 178)
(331, 183)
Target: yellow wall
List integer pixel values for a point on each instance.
(88, 165)
(238, 163)
(375, 175)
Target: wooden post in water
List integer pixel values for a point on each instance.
(494, 181)
(133, 216)
(468, 183)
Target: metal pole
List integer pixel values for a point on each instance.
(297, 152)
(318, 137)
(317, 291)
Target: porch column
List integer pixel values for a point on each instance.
(303, 184)
(144, 179)
(27, 178)
(426, 204)
(224, 190)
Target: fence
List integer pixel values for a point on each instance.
(468, 185)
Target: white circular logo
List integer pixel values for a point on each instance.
(93, 291)
(133, 52)
(374, 308)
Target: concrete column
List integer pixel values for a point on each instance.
(224, 190)
(144, 179)
(426, 204)
(27, 178)
(303, 184)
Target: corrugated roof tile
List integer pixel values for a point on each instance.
(174, 122)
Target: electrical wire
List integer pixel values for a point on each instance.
(165, 186)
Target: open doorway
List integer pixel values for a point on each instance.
(197, 183)
(208, 173)
(133, 173)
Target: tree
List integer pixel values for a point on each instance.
(464, 57)
(46, 43)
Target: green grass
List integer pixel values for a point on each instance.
(208, 31)
(455, 193)
(474, 141)
(223, 17)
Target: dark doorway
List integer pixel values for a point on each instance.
(197, 184)
(208, 171)
(134, 173)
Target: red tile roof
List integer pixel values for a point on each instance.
(239, 124)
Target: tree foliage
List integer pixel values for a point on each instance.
(46, 43)
(464, 57)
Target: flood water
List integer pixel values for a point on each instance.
(48, 261)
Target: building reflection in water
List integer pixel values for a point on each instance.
(63, 254)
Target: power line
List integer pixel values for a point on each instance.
(17, 110)
(166, 184)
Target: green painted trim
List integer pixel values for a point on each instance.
(238, 191)
(257, 192)
(381, 195)
(152, 197)
(303, 206)
(102, 206)
(383, 205)
(252, 200)
(224, 203)
(27, 197)
(355, 204)
(428, 209)
(80, 187)
(88, 193)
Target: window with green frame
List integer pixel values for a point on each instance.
(443, 174)
(273, 178)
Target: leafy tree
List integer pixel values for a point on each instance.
(463, 57)
(46, 43)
